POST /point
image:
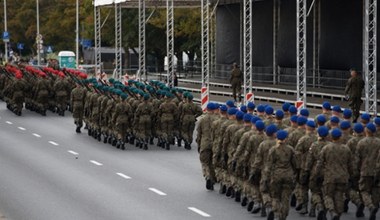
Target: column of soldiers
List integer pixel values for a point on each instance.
(269, 161)
(113, 112)
(37, 90)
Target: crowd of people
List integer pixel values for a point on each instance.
(113, 112)
(269, 160)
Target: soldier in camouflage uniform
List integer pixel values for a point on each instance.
(62, 90)
(315, 184)
(335, 162)
(292, 112)
(189, 112)
(302, 149)
(278, 176)
(345, 126)
(367, 151)
(77, 100)
(122, 117)
(204, 142)
(257, 169)
(298, 133)
(353, 91)
(269, 115)
(279, 120)
(168, 111)
(143, 120)
(41, 94)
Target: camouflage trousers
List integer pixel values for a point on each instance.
(205, 157)
(280, 194)
(265, 195)
(316, 193)
(78, 115)
(333, 196)
(302, 193)
(369, 192)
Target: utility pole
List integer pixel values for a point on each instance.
(38, 35)
(77, 35)
(5, 30)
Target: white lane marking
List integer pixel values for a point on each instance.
(124, 176)
(96, 163)
(36, 135)
(73, 152)
(199, 212)
(157, 191)
(8, 122)
(53, 143)
(21, 128)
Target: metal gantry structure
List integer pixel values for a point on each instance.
(118, 43)
(170, 41)
(301, 51)
(205, 47)
(98, 39)
(142, 56)
(316, 43)
(247, 47)
(369, 55)
(276, 28)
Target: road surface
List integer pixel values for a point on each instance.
(41, 179)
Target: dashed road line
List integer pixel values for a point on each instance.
(22, 129)
(9, 122)
(36, 135)
(199, 212)
(73, 152)
(53, 143)
(96, 163)
(124, 176)
(157, 191)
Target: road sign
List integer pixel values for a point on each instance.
(20, 46)
(250, 97)
(6, 36)
(49, 49)
(299, 105)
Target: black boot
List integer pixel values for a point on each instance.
(78, 130)
(118, 144)
(293, 201)
(335, 216)
(312, 212)
(132, 140)
(244, 201)
(167, 146)
(250, 206)
(346, 205)
(114, 142)
(179, 142)
(222, 189)
(89, 132)
(237, 196)
(151, 141)
(264, 211)
(99, 136)
(122, 145)
(372, 213)
(208, 184)
(105, 139)
(187, 146)
(256, 208)
(110, 138)
(359, 211)
(229, 191)
(304, 209)
(270, 214)
(145, 147)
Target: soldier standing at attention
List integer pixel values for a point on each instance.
(367, 151)
(78, 95)
(279, 173)
(235, 80)
(353, 91)
(204, 141)
(335, 162)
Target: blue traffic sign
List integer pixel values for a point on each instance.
(6, 36)
(49, 49)
(20, 46)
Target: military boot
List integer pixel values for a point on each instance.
(110, 138)
(334, 216)
(222, 188)
(208, 184)
(321, 215)
(229, 191)
(270, 214)
(105, 138)
(372, 213)
(167, 146)
(250, 206)
(304, 209)
(256, 208)
(244, 201)
(145, 146)
(118, 144)
(179, 142)
(122, 145)
(99, 136)
(237, 196)
(89, 131)
(187, 146)
(159, 142)
(265, 211)
(151, 141)
(293, 201)
(137, 143)
(78, 130)
(312, 212)
(114, 142)
(346, 205)
(359, 211)
(132, 140)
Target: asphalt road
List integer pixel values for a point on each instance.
(41, 179)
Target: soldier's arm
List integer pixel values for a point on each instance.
(258, 160)
(267, 170)
(199, 133)
(320, 162)
(348, 87)
(310, 158)
(350, 166)
(238, 155)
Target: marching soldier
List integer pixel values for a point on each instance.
(77, 100)
(189, 112)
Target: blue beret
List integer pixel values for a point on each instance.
(282, 135)
(337, 108)
(294, 118)
(371, 127)
(254, 119)
(286, 106)
(251, 105)
(223, 108)
(261, 108)
(271, 129)
(326, 105)
(323, 131)
(210, 106)
(243, 108)
(293, 109)
(345, 125)
(279, 114)
(239, 115)
(260, 125)
(247, 117)
(358, 128)
(304, 112)
(336, 133)
(232, 111)
(230, 103)
(301, 121)
(366, 117)
(321, 118)
(217, 105)
(377, 121)
(310, 124)
(347, 113)
(334, 119)
(269, 110)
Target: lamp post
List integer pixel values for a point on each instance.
(77, 35)
(38, 35)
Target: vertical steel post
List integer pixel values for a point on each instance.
(301, 51)
(276, 27)
(118, 43)
(205, 11)
(98, 40)
(142, 56)
(247, 47)
(170, 40)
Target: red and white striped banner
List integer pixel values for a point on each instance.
(250, 97)
(204, 98)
